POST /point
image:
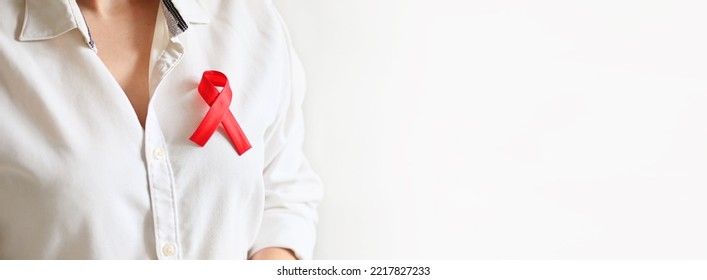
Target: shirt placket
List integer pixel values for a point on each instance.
(160, 176)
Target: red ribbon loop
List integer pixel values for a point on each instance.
(219, 112)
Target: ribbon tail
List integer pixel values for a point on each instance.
(206, 128)
(236, 134)
(199, 139)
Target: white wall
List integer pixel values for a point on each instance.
(505, 129)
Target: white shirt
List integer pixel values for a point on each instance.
(81, 179)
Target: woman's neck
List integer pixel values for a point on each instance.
(105, 8)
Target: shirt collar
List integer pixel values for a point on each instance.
(47, 19)
(50, 19)
(181, 12)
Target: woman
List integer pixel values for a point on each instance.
(135, 129)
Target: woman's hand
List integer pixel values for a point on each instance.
(274, 254)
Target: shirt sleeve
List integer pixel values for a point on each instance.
(292, 189)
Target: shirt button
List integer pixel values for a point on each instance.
(158, 153)
(168, 250)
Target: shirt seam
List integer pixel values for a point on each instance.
(90, 42)
(176, 15)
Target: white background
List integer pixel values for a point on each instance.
(505, 129)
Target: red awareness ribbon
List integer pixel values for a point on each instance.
(219, 112)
